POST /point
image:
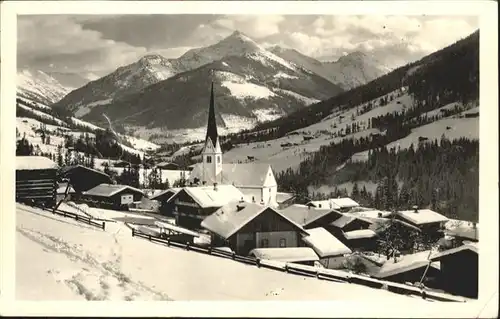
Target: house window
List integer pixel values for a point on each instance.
(218, 159)
(282, 242)
(209, 159)
(265, 243)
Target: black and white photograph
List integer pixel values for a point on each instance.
(250, 157)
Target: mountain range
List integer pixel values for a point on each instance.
(253, 84)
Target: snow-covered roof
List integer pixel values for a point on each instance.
(171, 191)
(464, 232)
(34, 163)
(67, 170)
(334, 203)
(286, 254)
(469, 246)
(304, 215)
(358, 234)
(324, 243)
(343, 221)
(324, 204)
(344, 202)
(422, 216)
(108, 190)
(283, 197)
(227, 220)
(246, 174)
(368, 212)
(405, 263)
(176, 229)
(210, 196)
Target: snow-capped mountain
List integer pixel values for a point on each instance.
(40, 87)
(348, 72)
(154, 85)
(254, 87)
(355, 69)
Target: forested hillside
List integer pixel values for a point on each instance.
(441, 174)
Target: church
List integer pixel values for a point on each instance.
(256, 181)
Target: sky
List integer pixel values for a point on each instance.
(95, 45)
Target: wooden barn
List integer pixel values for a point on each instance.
(36, 180)
(246, 226)
(459, 270)
(112, 196)
(166, 206)
(83, 178)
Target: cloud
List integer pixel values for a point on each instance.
(61, 41)
(101, 43)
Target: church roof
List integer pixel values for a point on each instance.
(241, 175)
(211, 125)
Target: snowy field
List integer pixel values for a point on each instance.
(86, 263)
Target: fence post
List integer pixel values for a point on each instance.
(168, 242)
(233, 256)
(149, 237)
(133, 232)
(187, 246)
(209, 250)
(257, 262)
(76, 217)
(103, 225)
(286, 267)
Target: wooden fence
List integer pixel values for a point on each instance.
(303, 270)
(78, 218)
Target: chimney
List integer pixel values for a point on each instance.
(242, 201)
(204, 183)
(253, 199)
(415, 209)
(215, 186)
(319, 205)
(380, 215)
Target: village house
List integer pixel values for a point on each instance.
(459, 270)
(297, 255)
(462, 234)
(193, 204)
(82, 178)
(245, 226)
(36, 180)
(310, 217)
(348, 223)
(361, 240)
(343, 204)
(430, 222)
(411, 269)
(255, 181)
(166, 206)
(330, 249)
(112, 196)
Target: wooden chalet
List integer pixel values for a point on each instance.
(112, 196)
(459, 270)
(360, 240)
(426, 220)
(245, 226)
(410, 269)
(36, 180)
(309, 216)
(347, 223)
(343, 204)
(329, 248)
(193, 204)
(166, 206)
(83, 178)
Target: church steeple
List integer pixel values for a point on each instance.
(212, 125)
(212, 153)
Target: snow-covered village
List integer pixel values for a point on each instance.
(230, 162)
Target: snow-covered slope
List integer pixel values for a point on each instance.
(85, 263)
(290, 150)
(40, 87)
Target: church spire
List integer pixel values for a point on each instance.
(212, 125)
